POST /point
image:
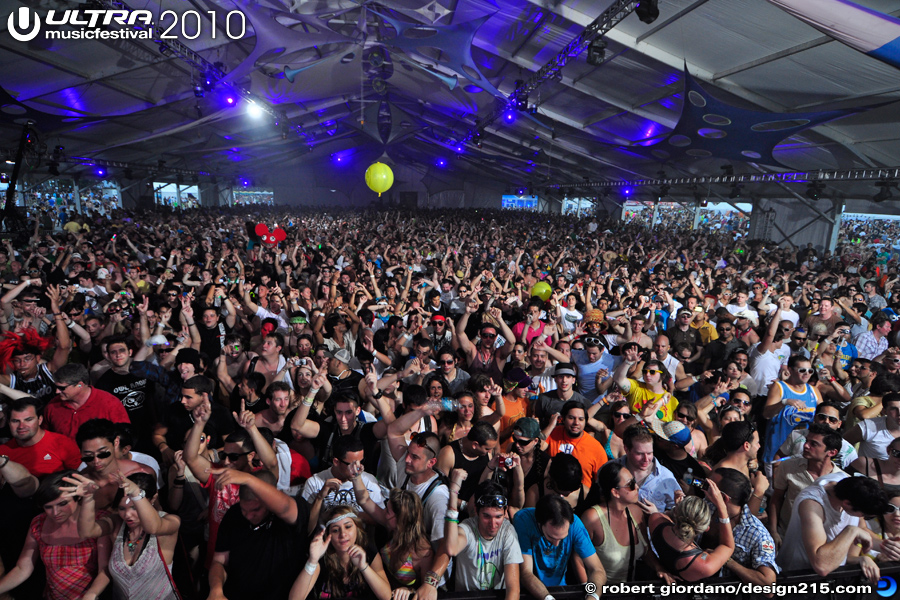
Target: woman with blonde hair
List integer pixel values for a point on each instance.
(408, 556)
(672, 538)
(341, 562)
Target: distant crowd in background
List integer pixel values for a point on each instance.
(380, 404)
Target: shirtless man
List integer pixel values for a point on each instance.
(99, 446)
(279, 405)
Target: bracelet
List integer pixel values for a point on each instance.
(431, 578)
(593, 595)
(189, 324)
(310, 567)
(5, 462)
(364, 570)
(449, 520)
(549, 597)
(757, 497)
(179, 478)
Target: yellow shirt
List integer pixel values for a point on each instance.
(639, 395)
(707, 332)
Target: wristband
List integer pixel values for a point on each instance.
(5, 461)
(431, 578)
(310, 567)
(452, 514)
(312, 393)
(549, 597)
(305, 403)
(593, 595)
(724, 521)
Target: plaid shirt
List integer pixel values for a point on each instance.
(868, 347)
(753, 544)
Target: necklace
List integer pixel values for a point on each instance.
(132, 544)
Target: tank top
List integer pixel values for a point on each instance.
(473, 467)
(667, 555)
(41, 386)
(480, 366)
(405, 574)
(147, 579)
(614, 556)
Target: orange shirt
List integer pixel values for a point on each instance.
(516, 408)
(586, 449)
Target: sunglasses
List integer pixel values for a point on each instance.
(805, 370)
(750, 433)
(621, 415)
(631, 485)
(62, 386)
(491, 502)
(447, 362)
(235, 456)
(828, 418)
(741, 402)
(892, 508)
(799, 339)
(489, 336)
(165, 350)
(522, 441)
(593, 341)
(894, 453)
(421, 439)
(651, 371)
(687, 418)
(89, 458)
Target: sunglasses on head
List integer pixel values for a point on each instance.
(491, 502)
(421, 439)
(631, 485)
(829, 418)
(235, 456)
(89, 458)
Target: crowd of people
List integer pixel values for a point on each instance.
(372, 404)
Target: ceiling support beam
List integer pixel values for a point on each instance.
(684, 11)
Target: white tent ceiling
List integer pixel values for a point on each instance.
(139, 105)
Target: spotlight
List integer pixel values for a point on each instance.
(814, 189)
(885, 192)
(441, 162)
(208, 83)
(245, 182)
(101, 172)
(596, 52)
(198, 90)
(199, 112)
(521, 191)
(459, 148)
(735, 191)
(58, 152)
(230, 100)
(647, 11)
(519, 99)
(509, 116)
(4, 178)
(254, 110)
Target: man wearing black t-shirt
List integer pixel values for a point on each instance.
(262, 541)
(168, 435)
(214, 329)
(137, 394)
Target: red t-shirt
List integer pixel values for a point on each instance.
(52, 454)
(586, 449)
(62, 418)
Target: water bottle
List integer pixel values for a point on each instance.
(446, 403)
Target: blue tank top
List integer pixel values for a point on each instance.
(789, 418)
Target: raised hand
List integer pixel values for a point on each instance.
(203, 412)
(246, 419)
(79, 486)
(318, 546)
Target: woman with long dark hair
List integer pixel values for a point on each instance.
(617, 525)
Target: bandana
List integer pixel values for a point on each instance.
(298, 321)
(339, 518)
